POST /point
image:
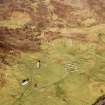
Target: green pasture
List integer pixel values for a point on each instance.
(57, 85)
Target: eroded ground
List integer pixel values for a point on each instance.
(68, 38)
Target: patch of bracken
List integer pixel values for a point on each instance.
(3, 80)
(98, 7)
(38, 14)
(23, 39)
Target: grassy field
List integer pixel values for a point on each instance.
(71, 73)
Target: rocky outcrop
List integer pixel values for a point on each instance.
(100, 101)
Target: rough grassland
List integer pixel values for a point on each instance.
(55, 85)
(67, 36)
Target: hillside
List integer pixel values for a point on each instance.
(58, 46)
